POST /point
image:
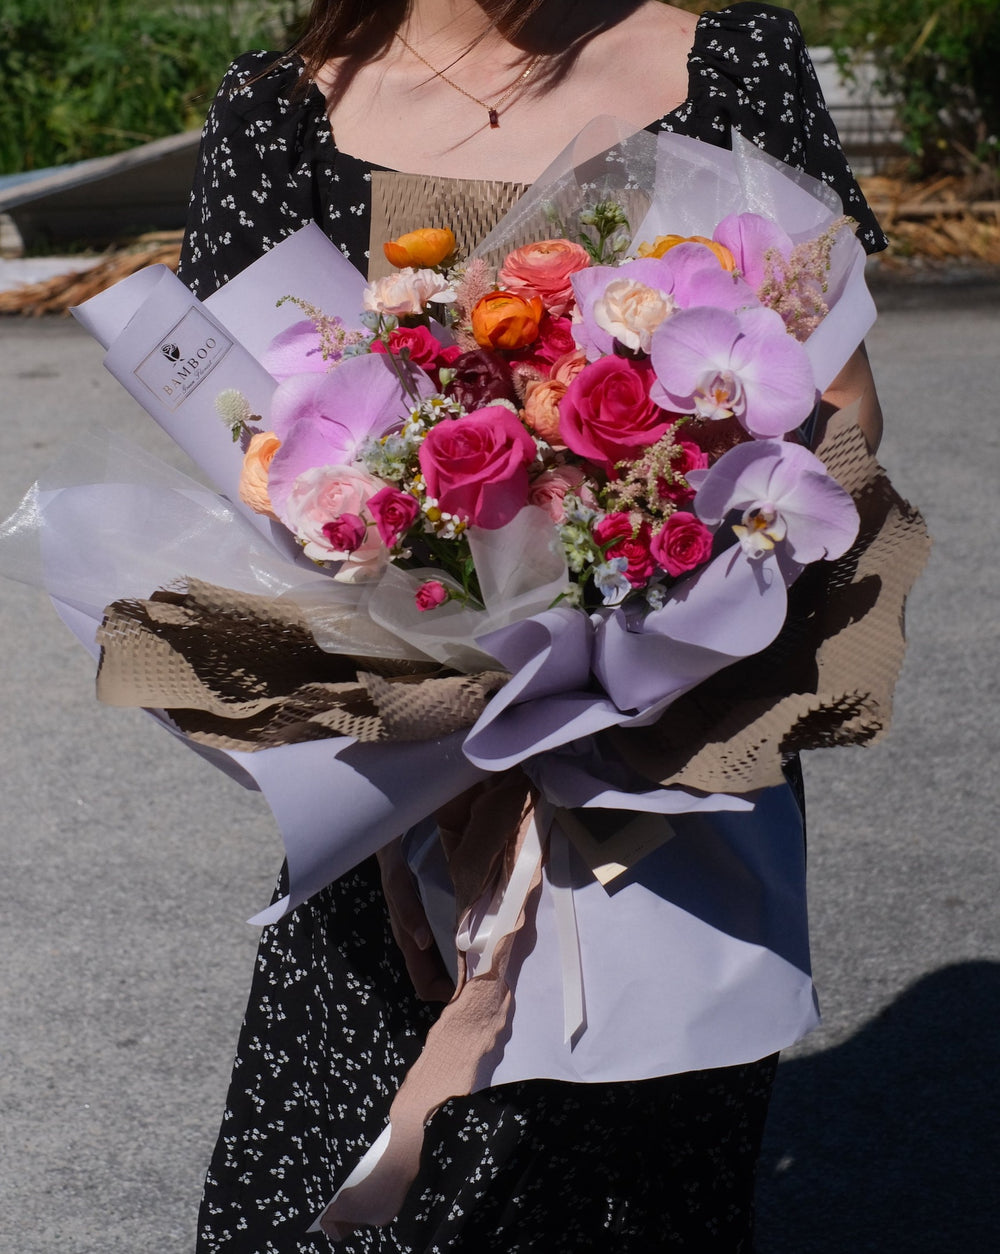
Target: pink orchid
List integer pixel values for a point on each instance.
(750, 237)
(322, 419)
(785, 494)
(716, 364)
(689, 275)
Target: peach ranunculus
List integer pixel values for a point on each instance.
(544, 270)
(632, 311)
(663, 244)
(550, 487)
(566, 368)
(253, 477)
(541, 408)
(406, 292)
(426, 247)
(504, 320)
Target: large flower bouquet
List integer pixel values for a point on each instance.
(636, 401)
(541, 526)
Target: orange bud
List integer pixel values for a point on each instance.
(503, 320)
(663, 244)
(422, 249)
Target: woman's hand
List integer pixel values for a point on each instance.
(854, 383)
(410, 928)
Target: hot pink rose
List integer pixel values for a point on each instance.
(551, 486)
(431, 594)
(633, 545)
(691, 457)
(477, 467)
(327, 511)
(683, 543)
(394, 513)
(606, 414)
(544, 270)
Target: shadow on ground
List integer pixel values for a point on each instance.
(891, 1141)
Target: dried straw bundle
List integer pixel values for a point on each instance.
(58, 294)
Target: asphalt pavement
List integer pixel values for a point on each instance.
(124, 960)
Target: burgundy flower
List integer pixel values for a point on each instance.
(481, 377)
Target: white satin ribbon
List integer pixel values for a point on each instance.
(480, 932)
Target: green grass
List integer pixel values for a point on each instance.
(85, 78)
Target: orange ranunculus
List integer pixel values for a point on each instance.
(421, 249)
(253, 477)
(663, 244)
(503, 320)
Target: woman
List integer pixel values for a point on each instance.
(480, 90)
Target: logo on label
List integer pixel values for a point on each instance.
(184, 358)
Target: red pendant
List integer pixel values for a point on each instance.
(494, 120)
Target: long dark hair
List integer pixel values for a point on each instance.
(355, 32)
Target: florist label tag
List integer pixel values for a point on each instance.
(184, 358)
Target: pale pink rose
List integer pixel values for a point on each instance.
(551, 486)
(566, 368)
(544, 270)
(253, 477)
(631, 312)
(683, 543)
(431, 594)
(327, 510)
(406, 292)
(541, 408)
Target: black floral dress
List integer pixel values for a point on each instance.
(332, 1022)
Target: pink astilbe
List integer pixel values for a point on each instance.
(476, 282)
(794, 286)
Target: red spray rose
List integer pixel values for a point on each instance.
(631, 544)
(683, 543)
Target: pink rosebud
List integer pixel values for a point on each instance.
(431, 594)
(632, 544)
(394, 513)
(683, 543)
(346, 532)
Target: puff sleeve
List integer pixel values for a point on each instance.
(750, 71)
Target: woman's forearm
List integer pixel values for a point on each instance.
(854, 383)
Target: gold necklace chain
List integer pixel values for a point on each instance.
(492, 110)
